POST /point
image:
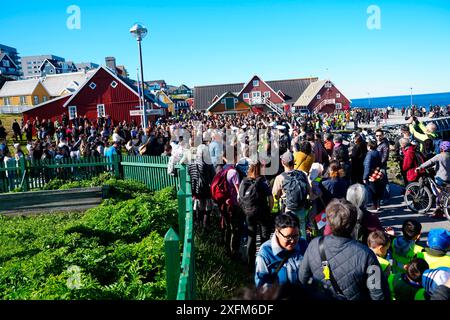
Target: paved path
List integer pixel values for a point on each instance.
(35, 202)
(395, 212)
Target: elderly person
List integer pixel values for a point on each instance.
(354, 271)
(420, 132)
(279, 259)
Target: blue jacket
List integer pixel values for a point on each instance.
(371, 162)
(270, 256)
(337, 188)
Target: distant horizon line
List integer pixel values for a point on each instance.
(403, 95)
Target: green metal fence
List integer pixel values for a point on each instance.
(25, 175)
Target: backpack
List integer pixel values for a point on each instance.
(249, 197)
(295, 187)
(219, 187)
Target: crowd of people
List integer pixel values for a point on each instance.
(313, 195)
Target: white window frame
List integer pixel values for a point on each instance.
(246, 96)
(72, 110)
(101, 114)
(328, 85)
(6, 63)
(222, 101)
(338, 106)
(338, 95)
(44, 98)
(266, 94)
(7, 101)
(256, 83)
(114, 84)
(23, 100)
(319, 97)
(92, 85)
(36, 100)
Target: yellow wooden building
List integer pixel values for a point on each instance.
(23, 93)
(229, 103)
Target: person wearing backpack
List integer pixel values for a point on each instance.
(292, 188)
(224, 191)
(343, 267)
(255, 200)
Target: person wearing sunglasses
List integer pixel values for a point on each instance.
(278, 260)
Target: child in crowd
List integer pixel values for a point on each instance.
(404, 248)
(379, 243)
(408, 286)
(436, 252)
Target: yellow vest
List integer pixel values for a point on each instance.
(384, 264)
(434, 261)
(400, 261)
(401, 290)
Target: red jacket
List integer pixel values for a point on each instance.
(410, 163)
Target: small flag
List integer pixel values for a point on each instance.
(321, 220)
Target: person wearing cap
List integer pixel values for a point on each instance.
(438, 245)
(442, 163)
(422, 132)
(279, 189)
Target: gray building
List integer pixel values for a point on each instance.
(31, 64)
(86, 66)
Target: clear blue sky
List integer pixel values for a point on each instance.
(224, 41)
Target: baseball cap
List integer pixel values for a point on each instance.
(439, 239)
(287, 157)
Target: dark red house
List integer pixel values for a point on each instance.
(322, 97)
(104, 93)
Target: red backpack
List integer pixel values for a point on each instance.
(219, 187)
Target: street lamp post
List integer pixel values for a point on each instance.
(139, 32)
(368, 93)
(411, 97)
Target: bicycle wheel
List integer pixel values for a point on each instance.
(418, 199)
(446, 207)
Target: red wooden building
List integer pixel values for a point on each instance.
(104, 93)
(322, 97)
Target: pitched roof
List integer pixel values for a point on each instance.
(19, 88)
(234, 95)
(310, 93)
(57, 83)
(292, 89)
(3, 55)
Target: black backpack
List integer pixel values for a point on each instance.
(295, 187)
(249, 196)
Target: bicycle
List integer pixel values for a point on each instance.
(419, 195)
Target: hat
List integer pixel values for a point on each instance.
(439, 239)
(432, 278)
(287, 157)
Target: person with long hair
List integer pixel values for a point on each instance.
(336, 184)
(257, 209)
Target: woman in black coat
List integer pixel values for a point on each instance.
(358, 154)
(372, 162)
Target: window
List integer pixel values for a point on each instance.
(338, 95)
(114, 84)
(222, 101)
(256, 94)
(92, 85)
(7, 101)
(100, 110)
(246, 96)
(319, 97)
(51, 70)
(44, 98)
(36, 100)
(338, 106)
(6, 63)
(328, 85)
(267, 94)
(256, 83)
(72, 112)
(23, 100)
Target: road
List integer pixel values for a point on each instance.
(395, 212)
